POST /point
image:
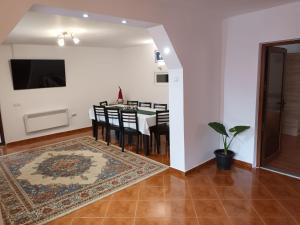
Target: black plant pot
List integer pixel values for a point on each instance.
(224, 162)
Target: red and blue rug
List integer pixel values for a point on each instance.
(41, 184)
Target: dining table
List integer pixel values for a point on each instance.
(146, 119)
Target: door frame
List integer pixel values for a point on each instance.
(1, 131)
(261, 93)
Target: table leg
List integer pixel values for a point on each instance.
(146, 144)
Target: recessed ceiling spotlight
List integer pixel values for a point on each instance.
(124, 21)
(167, 51)
(85, 15)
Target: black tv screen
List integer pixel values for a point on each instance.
(30, 74)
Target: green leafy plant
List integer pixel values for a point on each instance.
(227, 140)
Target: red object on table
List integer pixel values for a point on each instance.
(120, 95)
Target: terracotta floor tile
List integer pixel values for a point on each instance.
(61, 221)
(175, 199)
(198, 180)
(166, 221)
(181, 208)
(121, 209)
(295, 185)
(283, 192)
(293, 206)
(269, 208)
(297, 218)
(96, 209)
(246, 220)
(177, 192)
(245, 180)
(118, 221)
(149, 193)
(209, 208)
(130, 193)
(156, 180)
(220, 180)
(256, 192)
(238, 208)
(153, 209)
(174, 180)
(230, 192)
(271, 179)
(214, 221)
(87, 221)
(203, 192)
(279, 221)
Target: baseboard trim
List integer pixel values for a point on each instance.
(237, 163)
(242, 164)
(48, 137)
(176, 171)
(208, 162)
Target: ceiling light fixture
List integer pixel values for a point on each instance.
(62, 38)
(124, 21)
(85, 15)
(61, 42)
(75, 39)
(167, 51)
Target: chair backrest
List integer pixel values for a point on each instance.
(133, 103)
(104, 103)
(129, 119)
(112, 116)
(145, 104)
(99, 113)
(162, 117)
(160, 106)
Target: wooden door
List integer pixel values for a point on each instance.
(2, 141)
(273, 102)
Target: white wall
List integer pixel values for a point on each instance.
(93, 74)
(138, 67)
(242, 37)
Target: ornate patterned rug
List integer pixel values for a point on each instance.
(41, 184)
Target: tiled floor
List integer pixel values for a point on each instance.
(204, 197)
(288, 160)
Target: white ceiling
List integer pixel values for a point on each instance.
(43, 28)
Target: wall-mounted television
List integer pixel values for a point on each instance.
(37, 73)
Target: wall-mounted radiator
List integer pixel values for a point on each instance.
(46, 120)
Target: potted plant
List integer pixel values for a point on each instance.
(224, 156)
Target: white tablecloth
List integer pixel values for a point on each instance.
(145, 121)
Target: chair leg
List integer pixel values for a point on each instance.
(123, 141)
(120, 138)
(117, 133)
(103, 132)
(96, 132)
(138, 143)
(158, 144)
(151, 140)
(108, 136)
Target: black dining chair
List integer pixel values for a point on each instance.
(145, 104)
(161, 128)
(112, 117)
(160, 106)
(130, 126)
(100, 120)
(133, 103)
(104, 103)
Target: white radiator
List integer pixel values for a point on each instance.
(46, 120)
